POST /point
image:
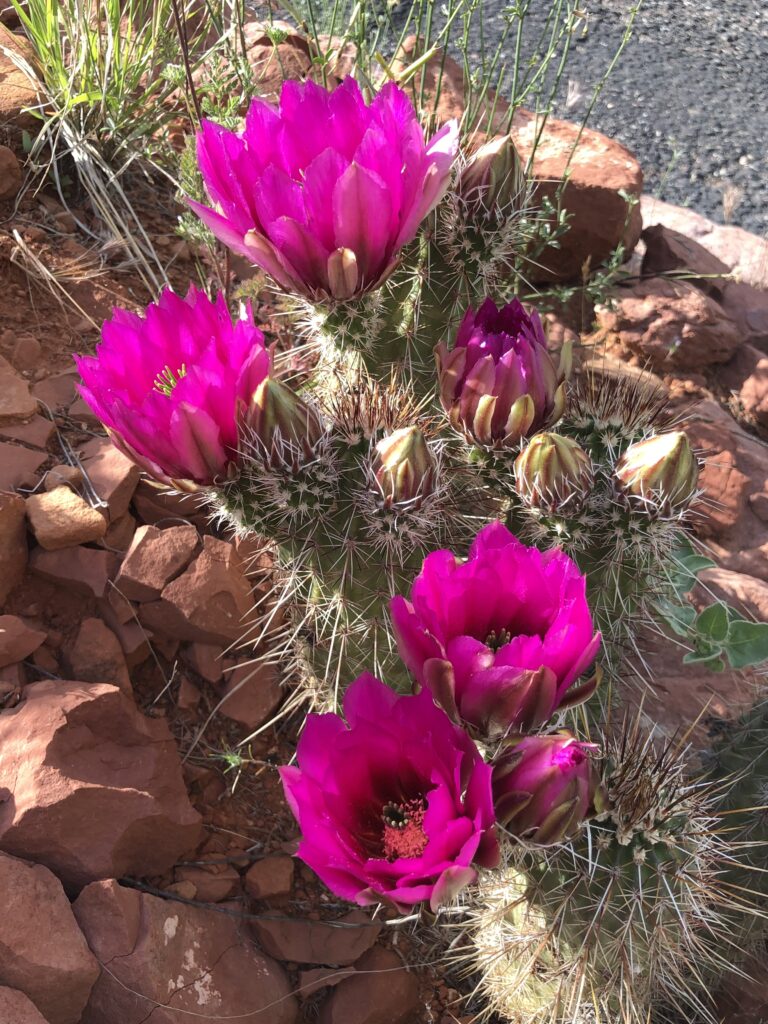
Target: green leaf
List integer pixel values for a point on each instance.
(714, 663)
(747, 643)
(712, 623)
(679, 617)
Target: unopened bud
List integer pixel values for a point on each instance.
(280, 420)
(661, 470)
(553, 471)
(494, 175)
(343, 273)
(404, 467)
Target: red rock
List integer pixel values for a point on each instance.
(62, 519)
(86, 570)
(188, 696)
(116, 606)
(63, 475)
(27, 350)
(16, 1008)
(97, 787)
(44, 658)
(176, 963)
(213, 882)
(210, 602)
(381, 991)
(120, 533)
(251, 694)
(19, 466)
(667, 250)
(167, 646)
(206, 660)
(57, 392)
(269, 877)
(133, 641)
(313, 980)
(16, 403)
(747, 595)
(670, 324)
(97, 657)
(17, 92)
(13, 543)
(37, 432)
(747, 376)
(42, 951)
(304, 941)
(112, 475)
(17, 639)
(159, 506)
(154, 558)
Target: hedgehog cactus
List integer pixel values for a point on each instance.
(425, 409)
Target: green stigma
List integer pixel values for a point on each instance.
(167, 380)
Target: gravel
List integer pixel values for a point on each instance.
(689, 97)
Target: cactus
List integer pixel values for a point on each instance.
(629, 920)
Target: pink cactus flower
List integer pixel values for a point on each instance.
(545, 787)
(174, 386)
(501, 637)
(323, 192)
(395, 805)
(499, 384)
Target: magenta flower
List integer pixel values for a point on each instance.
(172, 386)
(395, 805)
(500, 638)
(544, 787)
(324, 192)
(499, 384)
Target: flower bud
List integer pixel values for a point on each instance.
(499, 384)
(404, 467)
(544, 787)
(279, 418)
(493, 176)
(661, 470)
(552, 471)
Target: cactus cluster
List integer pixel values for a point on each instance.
(427, 407)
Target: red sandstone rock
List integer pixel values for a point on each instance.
(133, 640)
(315, 978)
(97, 787)
(57, 392)
(19, 466)
(181, 957)
(16, 1008)
(154, 558)
(213, 882)
(747, 595)
(27, 349)
(188, 696)
(269, 877)
(13, 543)
(671, 324)
(42, 951)
(317, 942)
(159, 506)
(210, 602)
(381, 991)
(10, 183)
(17, 91)
(63, 475)
(120, 533)
(86, 570)
(17, 639)
(112, 475)
(97, 657)
(38, 431)
(251, 694)
(747, 377)
(16, 403)
(206, 660)
(62, 519)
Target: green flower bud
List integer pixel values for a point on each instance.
(552, 471)
(404, 467)
(284, 424)
(661, 471)
(493, 176)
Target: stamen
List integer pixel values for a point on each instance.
(496, 640)
(404, 834)
(167, 380)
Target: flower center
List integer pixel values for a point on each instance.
(167, 380)
(496, 640)
(403, 834)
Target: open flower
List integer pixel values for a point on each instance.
(174, 386)
(544, 786)
(393, 805)
(500, 638)
(323, 192)
(499, 384)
